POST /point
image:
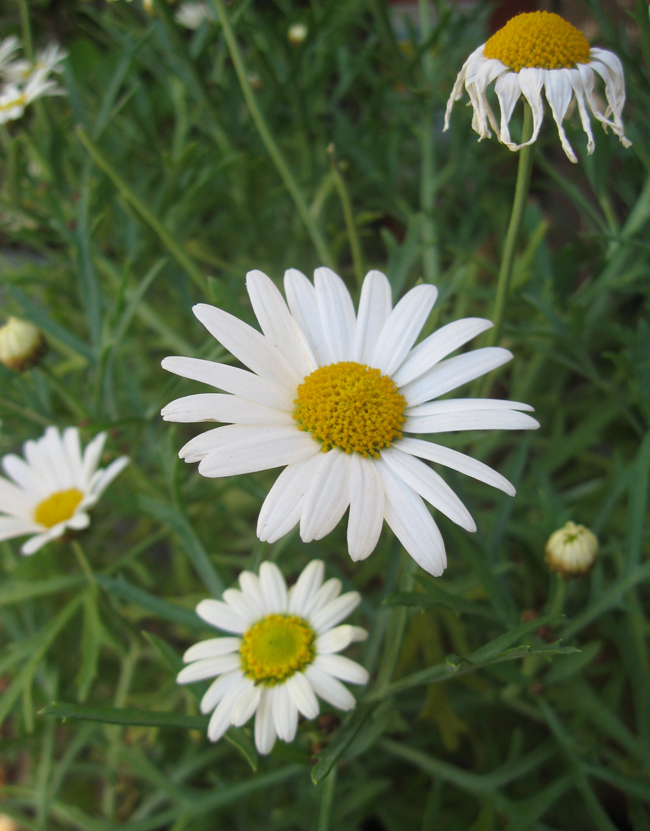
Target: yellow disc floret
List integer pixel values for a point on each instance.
(276, 647)
(350, 406)
(539, 39)
(57, 507)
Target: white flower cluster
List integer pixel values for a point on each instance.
(24, 81)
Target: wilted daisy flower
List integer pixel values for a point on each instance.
(52, 487)
(571, 551)
(535, 51)
(282, 655)
(330, 395)
(21, 344)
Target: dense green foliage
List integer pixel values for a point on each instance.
(178, 161)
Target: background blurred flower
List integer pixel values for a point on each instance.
(21, 344)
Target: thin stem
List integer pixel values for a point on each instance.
(353, 236)
(430, 256)
(83, 562)
(328, 788)
(559, 597)
(27, 30)
(269, 142)
(518, 208)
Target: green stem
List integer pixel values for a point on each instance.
(518, 208)
(83, 562)
(430, 256)
(328, 788)
(353, 237)
(156, 226)
(269, 142)
(27, 30)
(557, 604)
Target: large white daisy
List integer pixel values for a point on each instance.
(326, 379)
(282, 655)
(52, 487)
(535, 51)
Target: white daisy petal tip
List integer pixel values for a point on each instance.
(266, 671)
(535, 51)
(51, 489)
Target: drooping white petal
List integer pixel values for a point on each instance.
(400, 331)
(429, 485)
(530, 82)
(610, 69)
(457, 91)
(327, 497)
(302, 695)
(508, 92)
(579, 93)
(285, 714)
(488, 70)
(329, 688)
(375, 306)
(301, 298)
(211, 648)
(334, 612)
(366, 508)
(338, 638)
(265, 734)
(208, 668)
(233, 380)
(258, 448)
(282, 507)
(559, 92)
(437, 346)
(247, 345)
(305, 588)
(456, 461)
(274, 588)
(222, 616)
(278, 325)
(336, 313)
(231, 409)
(454, 372)
(412, 523)
(341, 667)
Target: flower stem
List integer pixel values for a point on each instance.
(559, 596)
(269, 142)
(518, 208)
(27, 30)
(353, 236)
(428, 185)
(83, 562)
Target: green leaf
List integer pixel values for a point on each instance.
(125, 715)
(17, 591)
(439, 597)
(499, 645)
(166, 652)
(156, 605)
(332, 753)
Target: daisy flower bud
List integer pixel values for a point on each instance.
(297, 33)
(21, 344)
(571, 551)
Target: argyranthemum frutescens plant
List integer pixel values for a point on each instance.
(330, 395)
(52, 488)
(24, 81)
(282, 655)
(534, 52)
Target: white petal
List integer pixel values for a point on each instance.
(579, 94)
(366, 507)
(302, 695)
(559, 93)
(334, 612)
(15, 500)
(23, 475)
(336, 314)
(329, 689)
(508, 92)
(454, 372)
(412, 523)
(301, 297)
(247, 345)
(458, 405)
(212, 648)
(222, 717)
(327, 592)
(208, 668)
(274, 589)
(56, 459)
(327, 497)
(283, 504)
(11, 527)
(374, 309)
(305, 588)
(343, 668)
(105, 478)
(252, 588)
(278, 325)
(225, 408)
(437, 346)
(218, 689)
(92, 455)
(264, 728)
(78, 521)
(334, 640)
(233, 380)
(242, 605)
(402, 328)
(451, 422)
(246, 705)
(258, 448)
(285, 714)
(37, 542)
(530, 82)
(456, 461)
(220, 615)
(429, 485)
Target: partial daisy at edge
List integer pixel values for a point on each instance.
(51, 489)
(320, 378)
(279, 655)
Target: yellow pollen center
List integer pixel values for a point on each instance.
(57, 507)
(538, 39)
(276, 647)
(350, 406)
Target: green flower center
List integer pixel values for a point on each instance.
(276, 647)
(539, 39)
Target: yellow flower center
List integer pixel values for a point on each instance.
(350, 406)
(539, 39)
(58, 507)
(276, 647)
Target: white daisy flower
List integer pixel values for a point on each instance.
(14, 99)
(52, 487)
(281, 656)
(330, 395)
(535, 51)
(47, 60)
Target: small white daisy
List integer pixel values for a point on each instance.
(47, 60)
(329, 396)
(192, 15)
(282, 655)
(14, 99)
(52, 487)
(535, 51)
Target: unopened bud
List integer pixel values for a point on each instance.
(21, 344)
(571, 551)
(297, 33)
